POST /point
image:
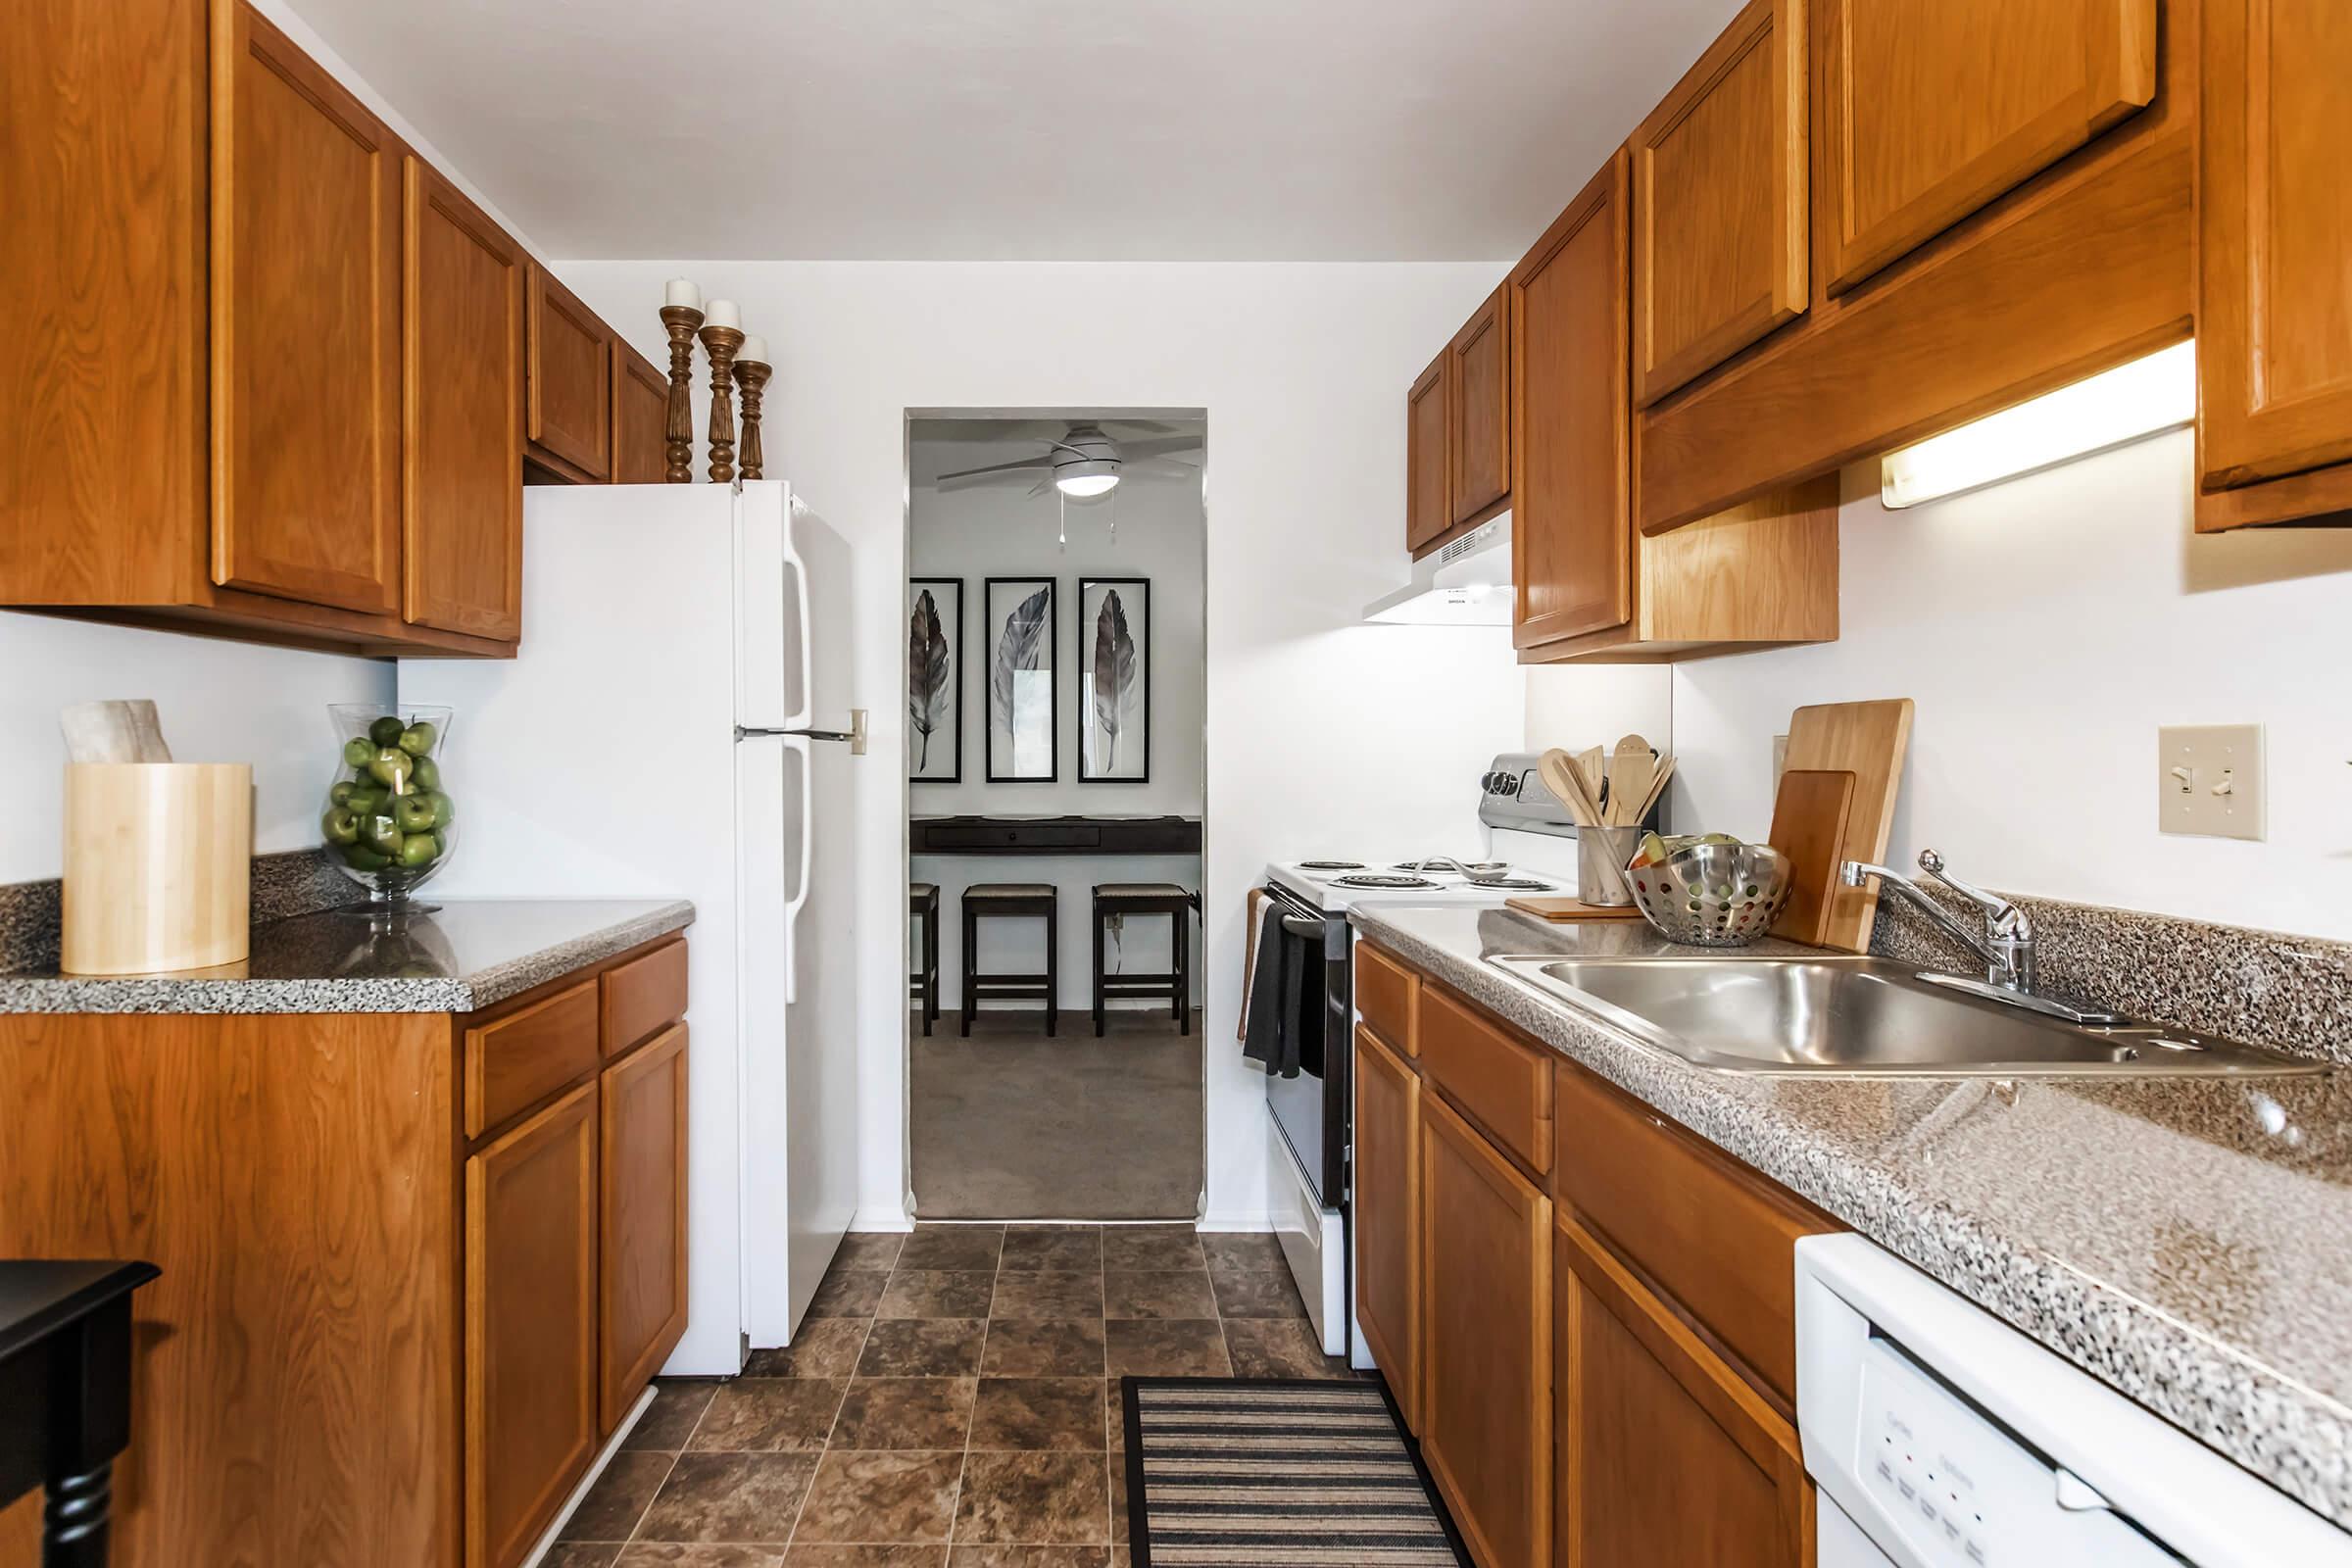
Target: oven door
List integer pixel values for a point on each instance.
(1310, 1110)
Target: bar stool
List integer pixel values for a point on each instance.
(1009, 900)
(922, 903)
(1147, 898)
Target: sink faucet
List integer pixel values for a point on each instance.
(2007, 944)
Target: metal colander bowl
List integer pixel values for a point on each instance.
(1713, 895)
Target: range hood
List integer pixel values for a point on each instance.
(1468, 583)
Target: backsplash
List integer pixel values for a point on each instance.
(289, 883)
(2292, 994)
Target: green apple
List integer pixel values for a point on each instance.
(445, 809)
(366, 799)
(420, 849)
(385, 731)
(391, 768)
(361, 857)
(341, 826)
(414, 813)
(358, 753)
(380, 834)
(341, 792)
(426, 774)
(419, 738)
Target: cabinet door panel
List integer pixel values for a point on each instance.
(640, 419)
(2274, 325)
(1486, 1341)
(1571, 507)
(1388, 1204)
(1665, 1456)
(1480, 370)
(530, 1326)
(1428, 460)
(462, 505)
(1933, 108)
(305, 326)
(643, 1257)
(570, 380)
(1719, 201)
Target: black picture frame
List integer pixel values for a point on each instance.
(946, 592)
(1135, 595)
(1015, 595)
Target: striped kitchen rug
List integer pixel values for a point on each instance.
(1235, 1472)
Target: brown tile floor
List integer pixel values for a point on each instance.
(953, 1402)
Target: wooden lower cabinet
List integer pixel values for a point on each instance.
(1665, 1453)
(1388, 1202)
(530, 1326)
(641, 1177)
(1485, 1340)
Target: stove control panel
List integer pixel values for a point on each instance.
(1512, 794)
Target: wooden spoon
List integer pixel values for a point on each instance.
(1562, 778)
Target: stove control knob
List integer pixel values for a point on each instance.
(1510, 786)
(1490, 783)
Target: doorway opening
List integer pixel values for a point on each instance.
(1056, 775)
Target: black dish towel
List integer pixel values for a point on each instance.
(1286, 999)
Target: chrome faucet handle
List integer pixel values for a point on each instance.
(2001, 915)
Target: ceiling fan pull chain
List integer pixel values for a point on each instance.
(1064, 503)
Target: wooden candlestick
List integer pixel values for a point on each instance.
(682, 319)
(750, 376)
(720, 343)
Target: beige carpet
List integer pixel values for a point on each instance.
(1010, 1124)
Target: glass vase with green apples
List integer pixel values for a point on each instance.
(389, 820)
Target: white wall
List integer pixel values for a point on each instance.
(1321, 732)
(220, 701)
(2045, 628)
(973, 531)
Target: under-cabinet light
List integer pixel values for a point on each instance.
(2109, 410)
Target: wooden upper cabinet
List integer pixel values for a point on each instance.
(1487, 1344)
(642, 1249)
(1933, 108)
(1427, 455)
(1388, 1218)
(570, 375)
(640, 419)
(1571, 510)
(2275, 313)
(1665, 1456)
(306, 197)
(1720, 205)
(462, 504)
(1479, 399)
(530, 1326)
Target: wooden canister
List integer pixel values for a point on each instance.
(159, 866)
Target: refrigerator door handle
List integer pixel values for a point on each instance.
(805, 709)
(798, 746)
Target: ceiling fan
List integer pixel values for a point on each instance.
(1086, 461)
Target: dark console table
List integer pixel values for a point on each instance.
(65, 1395)
(1056, 835)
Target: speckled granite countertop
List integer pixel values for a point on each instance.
(471, 953)
(2187, 1241)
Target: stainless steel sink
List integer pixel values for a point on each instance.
(1863, 1016)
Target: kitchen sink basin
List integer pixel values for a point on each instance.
(1864, 1017)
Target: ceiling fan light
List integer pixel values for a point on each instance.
(1081, 480)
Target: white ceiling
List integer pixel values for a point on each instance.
(1024, 129)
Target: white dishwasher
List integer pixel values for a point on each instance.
(1942, 1438)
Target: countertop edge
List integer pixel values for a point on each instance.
(2292, 1437)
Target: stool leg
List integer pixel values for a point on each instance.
(1053, 965)
(971, 966)
(1180, 941)
(1098, 977)
(930, 968)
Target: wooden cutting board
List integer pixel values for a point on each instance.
(1572, 909)
(1868, 740)
(1808, 825)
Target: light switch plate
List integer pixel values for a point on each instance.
(2209, 780)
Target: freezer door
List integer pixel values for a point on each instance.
(799, 1024)
(772, 620)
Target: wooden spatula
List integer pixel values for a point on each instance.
(1631, 768)
(1565, 779)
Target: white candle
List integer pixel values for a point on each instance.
(722, 313)
(754, 350)
(684, 292)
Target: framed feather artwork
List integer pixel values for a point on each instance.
(935, 681)
(1022, 646)
(1115, 674)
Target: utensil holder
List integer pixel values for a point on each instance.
(159, 866)
(1602, 854)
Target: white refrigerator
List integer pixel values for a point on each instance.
(679, 724)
